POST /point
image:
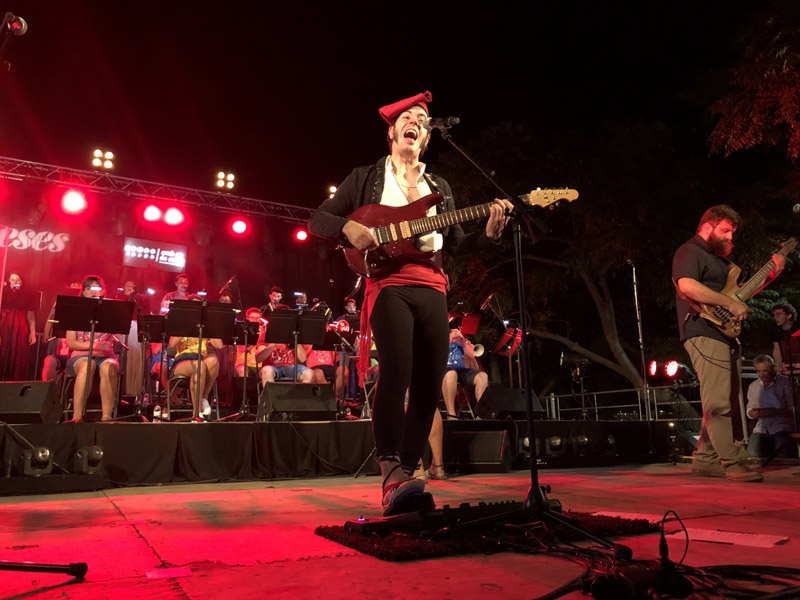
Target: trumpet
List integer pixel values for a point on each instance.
(340, 326)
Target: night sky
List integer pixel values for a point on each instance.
(286, 94)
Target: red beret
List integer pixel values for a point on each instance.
(391, 111)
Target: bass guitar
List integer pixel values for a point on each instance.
(721, 317)
(397, 228)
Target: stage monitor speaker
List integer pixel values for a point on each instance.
(297, 402)
(478, 451)
(29, 402)
(500, 402)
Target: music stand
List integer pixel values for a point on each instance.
(507, 346)
(74, 313)
(149, 327)
(193, 319)
(296, 327)
(245, 329)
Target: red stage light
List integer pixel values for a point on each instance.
(671, 368)
(73, 202)
(653, 369)
(301, 235)
(239, 226)
(152, 213)
(173, 217)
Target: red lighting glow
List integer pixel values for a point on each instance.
(73, 202)
(173, 217)
(152, 213)
(239, 226)
(653, 369)
(671, 368)
(301, 235)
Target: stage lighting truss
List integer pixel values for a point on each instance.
(88, 460)
(103, 182)
(37, 461)
(225, 181)
(103, 159)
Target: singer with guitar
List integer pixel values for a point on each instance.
(405, 305)
(700, 272)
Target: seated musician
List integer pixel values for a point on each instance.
(103, 359)
(462, 369)
(323, 364)
(56, 359)
(257, 352)
(188, 350)
(280, 365)
(785, 316)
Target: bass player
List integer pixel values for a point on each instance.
(405, 306)
(700, 271)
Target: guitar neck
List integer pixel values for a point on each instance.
(756, 281)
(429, 224)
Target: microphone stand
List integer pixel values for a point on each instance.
(536, 505)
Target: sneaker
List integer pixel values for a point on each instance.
(398, 496)
(205, 411)
(708, 469)
(741, 472)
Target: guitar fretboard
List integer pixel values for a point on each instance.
(428, 224)
(756, 281)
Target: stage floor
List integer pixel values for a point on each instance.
(228, 539)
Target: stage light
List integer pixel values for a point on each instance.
(555, 445)
(671, 368)
(239, 226)
(103, 159)
(653, 368)
(73, 202)
(581, 444)
(16, 26)
(152, 213)
(225, 180)
(173, 216)
(37, 461)
(88, 460)
(332, 191)
(151, 291)
(301, 235)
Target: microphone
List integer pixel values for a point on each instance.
(442, 124)
(486, 302)
(227, 284)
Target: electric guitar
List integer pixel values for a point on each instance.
(397, 228)
(721, 317)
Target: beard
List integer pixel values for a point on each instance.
(719, 246)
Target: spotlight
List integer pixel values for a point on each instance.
(225, 180)
(581, 445)
(239, 226)
(37, 461)
(103, 159)
(89, 460)
(16, 26)
(671, 368)
(73, 202)
(152, 213)
(555, 445)
(151, 291)
(332, 191)
(301, 235)
(173, 216)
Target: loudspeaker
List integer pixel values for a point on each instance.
(478, 451)
(296, 402)
(29, 402)
(500, 402)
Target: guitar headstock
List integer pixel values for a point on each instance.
(788, 246)
(549, 196)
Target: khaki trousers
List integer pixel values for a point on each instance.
(712, 361)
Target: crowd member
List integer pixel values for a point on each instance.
(785, 316)
(17, 330)
(769, 400)
(103, 359)
(700, 270)
(462, 369)
(181, 292)
(405, 306)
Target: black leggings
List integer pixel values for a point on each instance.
(411, 334)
